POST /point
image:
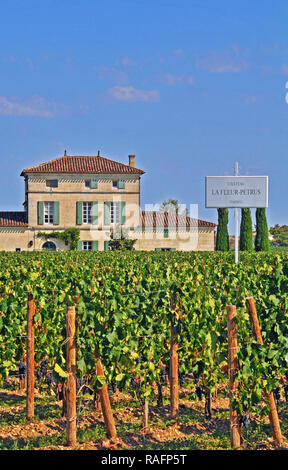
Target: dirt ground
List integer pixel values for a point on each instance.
(14, 427)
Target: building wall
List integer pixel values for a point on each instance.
(201, 241)
(76, 183)
(72, 189)
(25, 239)
(11, 238)
(206, 240)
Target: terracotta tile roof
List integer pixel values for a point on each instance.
(170, 219)
(83, 164)
(13, 219)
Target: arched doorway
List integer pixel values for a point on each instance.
(49, 246)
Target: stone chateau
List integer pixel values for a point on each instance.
(95, 194)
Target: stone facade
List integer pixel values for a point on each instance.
(93, 194)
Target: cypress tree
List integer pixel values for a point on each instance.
(261, 241)
(246, 236)
(222, 237)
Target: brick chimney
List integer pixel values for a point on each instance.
(132, 160)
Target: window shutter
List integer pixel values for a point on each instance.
(107, 210)
(106, 245)
(123, 212)
(94, 183)
(79, 245)
(78, 212)
(40, 210)
(121, 184)
(94, 213)
(95, 245)
(158, 249)
(56, 213)
(166, 233)
(173, 249)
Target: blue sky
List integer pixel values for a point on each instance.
(189, 86)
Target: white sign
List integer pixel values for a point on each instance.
(236, 191)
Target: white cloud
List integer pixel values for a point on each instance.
(127, 62)
(131, 94)
(84, 108)
(36, 106)
(179, 53)
(176, 54)
(222, 62)
(110, 73)
(171, 79)
(252, 99)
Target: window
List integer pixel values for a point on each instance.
(17, 249)
(115, 213)
(166, 233)
(48, 212)
(119, 184)
(91, 184)
(87, 215)
(87, 246)
(165, 249)
(50, 246)
(52, 183)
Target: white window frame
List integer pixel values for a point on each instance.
(48, 213)
(115, 213)
(87, 212)
(87, 246)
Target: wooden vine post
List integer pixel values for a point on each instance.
(71, 427)
(174, 387)
(273, 415)
(235, 434)
(145, 417)
(105, 401)
(30, 357)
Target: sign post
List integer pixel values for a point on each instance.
(236, 192)
(236, 221)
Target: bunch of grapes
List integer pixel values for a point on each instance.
(22, 369)
(245, 420)
(277, 396)
(286, 392)
(198, 389)
(181, 378)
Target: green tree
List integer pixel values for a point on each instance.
(246, 236)
(222, 237)
(261, 241)
(280, 235)
(172, 205)
(119, 240)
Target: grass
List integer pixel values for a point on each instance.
(33, 443)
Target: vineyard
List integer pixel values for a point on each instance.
(145, 335)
